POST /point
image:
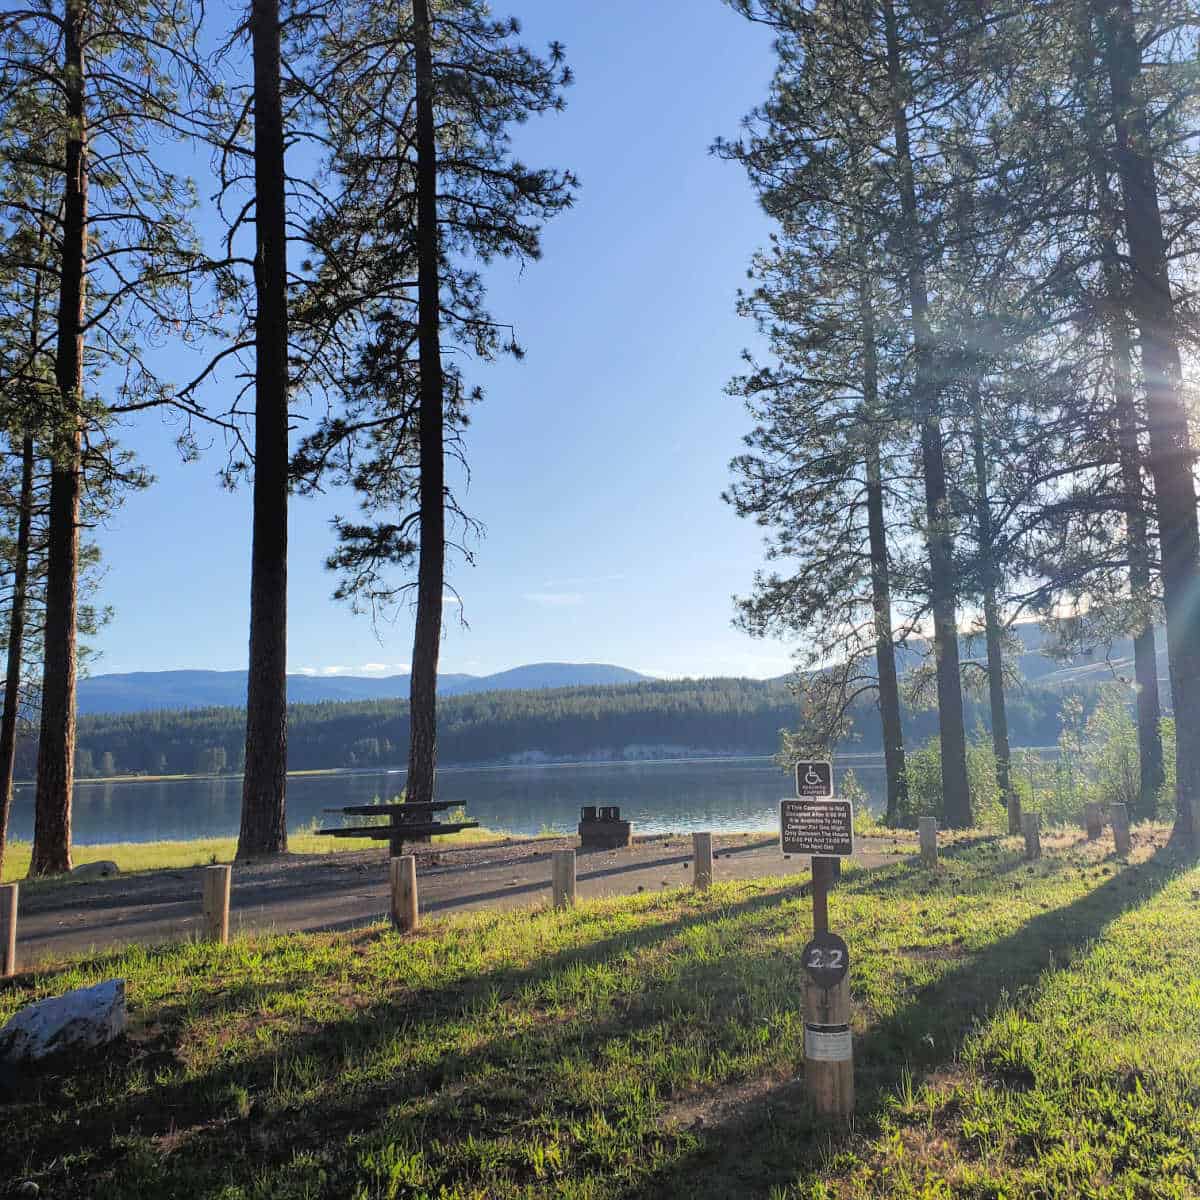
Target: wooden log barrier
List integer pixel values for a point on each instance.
(216, 904)
(563, 866)
(406, 915)
(928, 829)
(1122, 839)
(1093, 819)
(703, 855)
(1031, 826)
(8, 929)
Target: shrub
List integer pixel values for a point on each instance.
(1111, 752)
(925, 798)
(865, 821)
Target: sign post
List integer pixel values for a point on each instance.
(817, 824)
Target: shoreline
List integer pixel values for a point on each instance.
(858, 758)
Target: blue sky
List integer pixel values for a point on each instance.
(597, 462)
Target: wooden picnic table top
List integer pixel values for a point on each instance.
(381, 810)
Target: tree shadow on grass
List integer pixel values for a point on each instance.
(492, 1085)
(181, 1101)
(776, 1137)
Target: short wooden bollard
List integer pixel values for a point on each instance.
(8, 929)
(1120, 827)
(406, 914)
(1093, 819)
(702, 853)
(927, 827)
(1031, 826)
(216, 904)
(564, 878)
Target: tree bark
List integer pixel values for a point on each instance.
(56, 739)
(264, 784)
(427, 636)
(881, 598)
(16, 633)
(992, 628)
(1145, 651)
(1137, 538)
(956, 796)
(1171, 457)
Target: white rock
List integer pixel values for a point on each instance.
(96, 870)
(78, 1020)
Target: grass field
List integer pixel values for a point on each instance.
(152, 856)
(1021, 1031)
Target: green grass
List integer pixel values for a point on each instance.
(1021, 1031)
(154, 856)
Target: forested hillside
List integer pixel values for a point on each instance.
(660, 719)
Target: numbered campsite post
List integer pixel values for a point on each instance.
(817, 824)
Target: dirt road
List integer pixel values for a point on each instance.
(349, 889)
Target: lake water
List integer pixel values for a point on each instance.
(658, 797)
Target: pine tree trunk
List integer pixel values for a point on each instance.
(956, 795)
(427, 636)
(1137, 538)
(264, 784)
(1171, 458)
(885, 650)
(881, 598)
(1145, 651)
(16, 636)
(993, 630)
(1001, 751)
(56, 739)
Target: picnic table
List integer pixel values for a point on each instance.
(406, 822)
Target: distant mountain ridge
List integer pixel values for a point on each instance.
(145, 691)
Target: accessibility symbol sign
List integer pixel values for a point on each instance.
(814, 777)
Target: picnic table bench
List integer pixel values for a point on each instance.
(406, 822)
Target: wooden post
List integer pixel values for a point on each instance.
(928, 833)
(1120, 826)
(216, 904)
(1031, 824)
(702, 854)
(828, 1049)
(564, 878)
(8, 929)
(822, 877)
(828, 1054)
(405, 906)
(1093, 818)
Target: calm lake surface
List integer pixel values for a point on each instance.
(659, 797)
